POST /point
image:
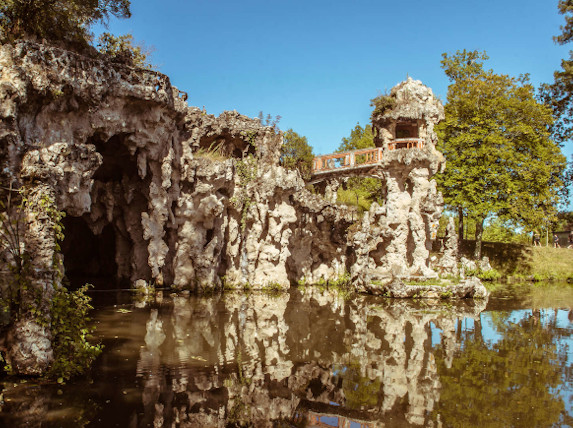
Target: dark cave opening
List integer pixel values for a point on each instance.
(89, 258)
(117, 160)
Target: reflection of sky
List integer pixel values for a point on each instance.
(548, 317)
(489, 333)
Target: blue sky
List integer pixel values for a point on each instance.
(318, 63)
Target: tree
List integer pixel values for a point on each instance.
(361, 191)
(64, 21)
(559, 94)
(122, 49)
(296, 153)
(360, 138)
(496, 138)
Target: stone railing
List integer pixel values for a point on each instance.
(362, 157)
(343, 160)
(406, 143)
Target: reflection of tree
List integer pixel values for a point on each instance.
(510, 383)
(359, 390)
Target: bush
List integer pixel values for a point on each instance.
(73, 354)
(123, 50)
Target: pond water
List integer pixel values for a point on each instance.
(309, 358)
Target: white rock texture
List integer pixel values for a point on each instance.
(157, 191)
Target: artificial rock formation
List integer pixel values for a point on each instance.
(393, 240)
(157, 192)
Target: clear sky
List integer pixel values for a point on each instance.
(318, 63)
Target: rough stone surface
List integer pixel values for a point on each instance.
(160, 192)
(448, 263)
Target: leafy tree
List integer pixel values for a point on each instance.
(559, 95)
(64, 21)
(360, 138)
(498, 230)
(296, 153)
(496, 139)
(564, 221)
(360, 191)
(123, 50)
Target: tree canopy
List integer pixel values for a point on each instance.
(559, 94)
(296, 153)
(66, 21)
(496, 138)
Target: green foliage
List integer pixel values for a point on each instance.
(246, 170)
(446, 294)
(73, 354)
(489, 275)
(66, 21)
(354, 197)
(296, 153)
(273, 289)
(360, 138)
(358, 191)
(496, 139)
(123, 50)
(359, 391)
(498, 230)
(564, 221)
(558, 94)
(381, 104)
(67, 311)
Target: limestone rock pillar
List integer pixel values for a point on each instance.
(29, 341)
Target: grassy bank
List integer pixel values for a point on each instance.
(525, 261)
(548, 263)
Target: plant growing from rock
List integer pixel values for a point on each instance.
(65, 314)
(124, 50)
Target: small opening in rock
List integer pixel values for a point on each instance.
(208, 236)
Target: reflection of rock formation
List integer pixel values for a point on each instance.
(259, 358)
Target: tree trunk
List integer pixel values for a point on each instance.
(460, 224)
(478, 331)
(479, 234)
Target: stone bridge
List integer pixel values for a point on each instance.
(358, 162)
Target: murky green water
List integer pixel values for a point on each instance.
(315, 360)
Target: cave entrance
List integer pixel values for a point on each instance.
(89, 258)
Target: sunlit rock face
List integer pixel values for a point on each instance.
(395, 238)
(161, 193)
(261, 358)
(156, 190)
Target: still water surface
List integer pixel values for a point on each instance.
(312, 359)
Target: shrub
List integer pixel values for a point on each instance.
(73, 354)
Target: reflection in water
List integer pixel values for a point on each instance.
(311, 359)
